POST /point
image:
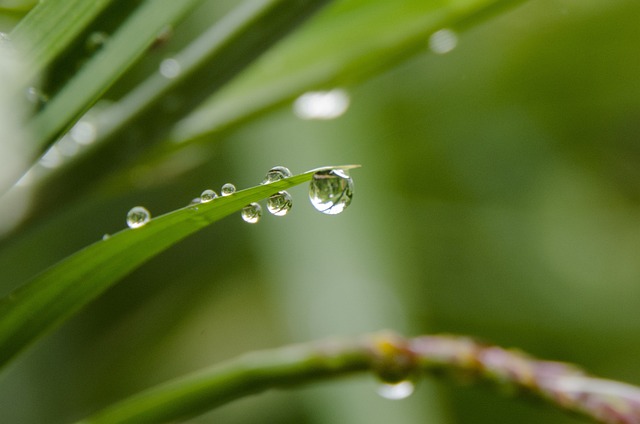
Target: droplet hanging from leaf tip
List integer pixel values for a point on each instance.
(396, 391)
(331, 191)
(280, 203)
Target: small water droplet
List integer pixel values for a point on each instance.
(51, 158)
(195, 201)
(252, 213)
(443, 41)
(36, 96)
(331, 191)
(106, 237)
(396, 391)
(68, 146)
(170, 68)
(96, 41)
(137, 217)
(84, 132)
(322, 105)
(207, 196)
(280, 203)
(276, 173)
(227, 189)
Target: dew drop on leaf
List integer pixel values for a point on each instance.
(276, 173)
(396, 391)
(331, 191)
(227, 189)
(251, 213)
(170, 68)
(207, 196)
(280, 203)
(96, 41)
(443, 41)
(137, 217)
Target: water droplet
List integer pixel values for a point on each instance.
(52, 158)
(207, 196)
(195, 201)
(84, 132)
(276, 173)
(36, 96)
(67, 146)
(170, 68)
(252, 213)
(443, 41)
(321, 104)
(396, 391)
(106, 237)
(137, 217)
(227, 189)
(96, 41)
(331, 191)
(280, 203)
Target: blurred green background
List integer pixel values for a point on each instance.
(499, 196)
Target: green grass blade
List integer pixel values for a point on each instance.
(131, 40)
(60, 291)
(145, 116)
(51, 27)
(364, 39)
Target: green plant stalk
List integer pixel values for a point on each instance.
(53, 296)
(144, 117)
(392, 358)
(123, 48)
(51, 27)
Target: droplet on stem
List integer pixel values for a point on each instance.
(396, 391)
(137, 217)
(331, 191)
(170, 68)
(276, 173)
(207, 196)
(280, 203)
(252, 213)
(227, 189)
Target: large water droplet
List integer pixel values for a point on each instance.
(396, 391)
(276, 173)
(321, 104)
(170, 68)
(137, 217)
(252, 213)
(331, 191)
(227, 189)
(443, 41)
(207, 196)
(280, 203)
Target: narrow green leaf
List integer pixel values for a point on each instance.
(51, 27)
(122, 49)
(57, 293)
(364, 39)
(144, 117)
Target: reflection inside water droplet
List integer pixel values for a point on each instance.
(276, 173)
(137, 217)
(280, 203)
(396, 391)
(207, 196)
(227, 189)
(252, 213)
(321, 104)
(170, 68)
(443, 41)
(331, 191)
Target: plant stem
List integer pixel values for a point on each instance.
(393, 358)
